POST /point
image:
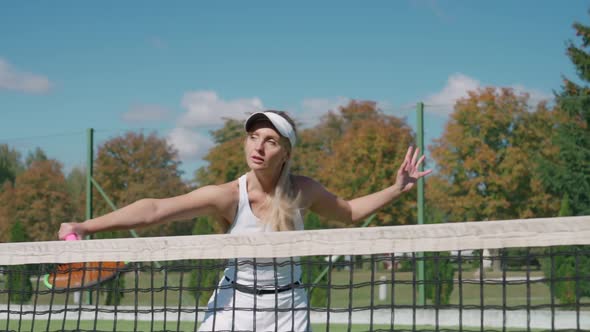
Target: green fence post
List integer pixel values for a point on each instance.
(420, 134)
(89, 173)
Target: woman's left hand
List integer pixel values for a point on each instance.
(409, 173)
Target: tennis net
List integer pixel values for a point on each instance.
(510, 275)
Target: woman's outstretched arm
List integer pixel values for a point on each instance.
(330, 206)
(209, 200)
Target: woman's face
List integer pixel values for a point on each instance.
(265, 148)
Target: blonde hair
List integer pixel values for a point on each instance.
(284, 202)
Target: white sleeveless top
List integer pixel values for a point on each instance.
(264, 273)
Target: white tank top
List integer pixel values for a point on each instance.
(264, 273)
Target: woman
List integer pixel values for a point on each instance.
(267, 198)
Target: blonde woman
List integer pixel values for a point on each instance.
(267, 198)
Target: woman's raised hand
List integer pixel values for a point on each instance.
(409, 173)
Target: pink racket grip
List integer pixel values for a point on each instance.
(71, 237)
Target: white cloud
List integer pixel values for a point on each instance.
(535, 96)
(456, 87)
(146, 113)
(190, 144)
(312, 109)
(205, 108)
(13, 79)
(459, 84)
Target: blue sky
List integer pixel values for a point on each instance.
(179, 67)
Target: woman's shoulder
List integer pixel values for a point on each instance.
(218, 194)
(229, 188)
(303, 182)
(306, 188)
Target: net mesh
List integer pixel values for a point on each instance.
(519, 275)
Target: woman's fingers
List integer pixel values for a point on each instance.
(408, 154)
(415, 156)
(421, 174)
(404, 165)
(420, 161)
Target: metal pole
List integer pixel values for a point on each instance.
(89, 174)
(420, 133)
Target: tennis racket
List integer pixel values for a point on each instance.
(81, 275)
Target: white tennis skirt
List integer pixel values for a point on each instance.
(232, 310)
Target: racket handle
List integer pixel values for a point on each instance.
(71, 237)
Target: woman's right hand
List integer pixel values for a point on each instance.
(71, 228)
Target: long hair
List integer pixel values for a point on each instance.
(283, 203)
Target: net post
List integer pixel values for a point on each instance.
(89, 175)
(420, 137)
(89, 172)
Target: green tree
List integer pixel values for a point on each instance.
(19, 282)
(136, 166)
(439, 272)
(76, 185)
(6, 210)
(37, 155)
(569, 173)
(10, 164)
(487, 159)
(564, 264)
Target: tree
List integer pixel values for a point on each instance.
(226, 159)
(136, 166)
(37, 155)
(76, 185)
(487, 159)
(19, 283)
(439, 271)
(6, 211)
(10, 164)
(41, 201)
(561, 266)
(569, 173)
(364, 158)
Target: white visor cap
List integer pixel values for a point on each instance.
(281, 124)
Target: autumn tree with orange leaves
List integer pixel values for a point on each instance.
(136, 166)
(39, 201)
(226, 160)
(487, 159)
(357, 152)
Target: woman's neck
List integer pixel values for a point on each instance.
(264, 181)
